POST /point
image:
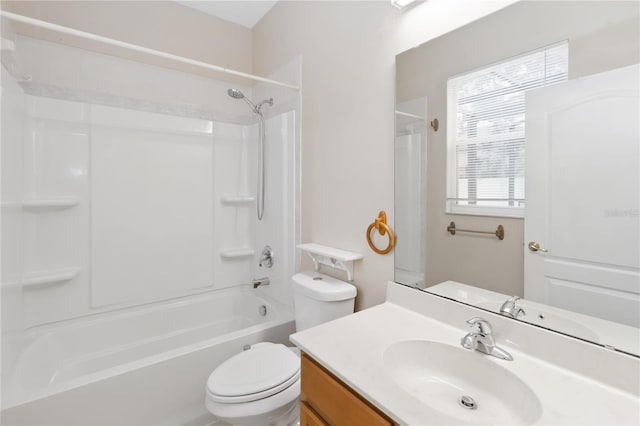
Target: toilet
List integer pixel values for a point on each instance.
(261, 385)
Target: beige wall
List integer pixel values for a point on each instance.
(601, 36)
(347, 126)
(348, 53)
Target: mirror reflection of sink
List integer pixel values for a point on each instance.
(439, 375)
(548, 320)
(585, 327)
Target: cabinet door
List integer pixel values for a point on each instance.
(308, 417)
(335, 402)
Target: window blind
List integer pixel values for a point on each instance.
(486, 128)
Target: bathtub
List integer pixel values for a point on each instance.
(138, 366)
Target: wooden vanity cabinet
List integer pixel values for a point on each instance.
(325, 400)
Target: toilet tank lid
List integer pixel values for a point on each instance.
(323, 287)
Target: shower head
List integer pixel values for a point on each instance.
(235, 94)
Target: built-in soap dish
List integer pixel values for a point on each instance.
(237, 253)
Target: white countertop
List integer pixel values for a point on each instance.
(352, 348)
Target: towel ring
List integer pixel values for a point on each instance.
(381, 225)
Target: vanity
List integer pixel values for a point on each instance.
(402, 362)
(325, 400)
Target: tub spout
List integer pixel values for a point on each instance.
(257, 282)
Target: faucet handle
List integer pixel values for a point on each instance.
(481, 325)
(470, 341)
(266, 258)
(481, 339)
(510, 303)
(510, 309)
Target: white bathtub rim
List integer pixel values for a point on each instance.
(32, 335)
(29, 396)
(18, 395)
(135, 310)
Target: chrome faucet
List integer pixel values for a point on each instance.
(509, 308)
(257, 282)
(266, 259)
(481, 339)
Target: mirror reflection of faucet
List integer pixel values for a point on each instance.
(509, 308)
(257, 282)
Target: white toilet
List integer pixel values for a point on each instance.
(261, 386)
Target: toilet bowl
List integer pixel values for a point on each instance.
(261, 386)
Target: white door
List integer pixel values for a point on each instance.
(583, 187)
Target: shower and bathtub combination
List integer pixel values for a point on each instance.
(129, 198)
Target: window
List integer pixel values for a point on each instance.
(485, 131)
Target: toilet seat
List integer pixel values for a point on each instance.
(254, 396)
(260, 411)
(260, 372)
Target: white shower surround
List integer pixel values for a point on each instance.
(153, 213)
(64, 152)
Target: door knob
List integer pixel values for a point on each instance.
(533, 246)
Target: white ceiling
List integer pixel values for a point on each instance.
(245, 13)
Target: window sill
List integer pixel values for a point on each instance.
(514, 213)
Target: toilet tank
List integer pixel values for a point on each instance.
(320, 298)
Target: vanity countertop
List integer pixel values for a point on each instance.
(580, 388)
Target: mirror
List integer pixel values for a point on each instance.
(581, 172)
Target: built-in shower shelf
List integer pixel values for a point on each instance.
(237, 253)
(235, 200)
(45, 203)
(42, 279)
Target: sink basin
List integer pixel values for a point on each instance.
(439, 375)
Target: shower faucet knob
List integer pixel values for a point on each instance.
(266, 259)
